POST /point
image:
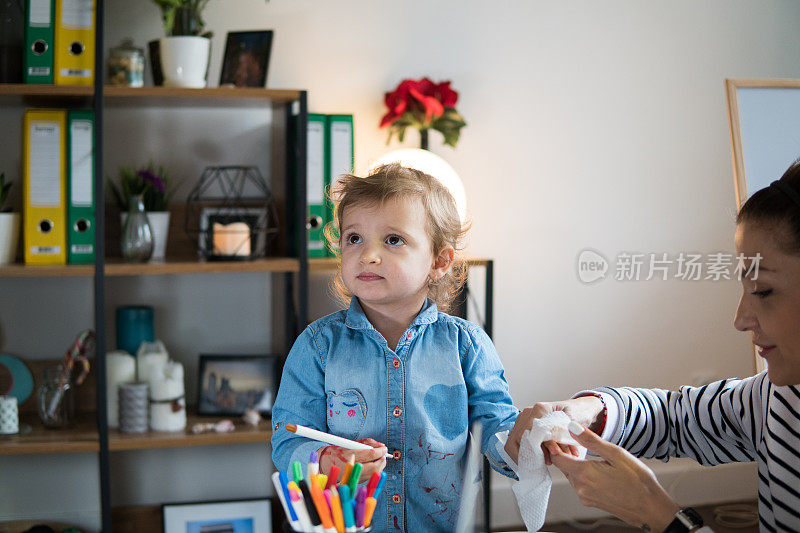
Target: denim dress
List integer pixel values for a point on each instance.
(420, 399)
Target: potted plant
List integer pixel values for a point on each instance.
(9, 225)
(152, 184)
(186, 48)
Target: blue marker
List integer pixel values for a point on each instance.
(379, 486)
(347, 506)
(284, 479)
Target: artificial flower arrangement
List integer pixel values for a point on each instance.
(150, 181)
(424, 105)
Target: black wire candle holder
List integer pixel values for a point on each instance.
(231, 214)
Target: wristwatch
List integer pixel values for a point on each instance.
(686, 520)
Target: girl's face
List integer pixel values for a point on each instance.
(770, 305)
(387, 254)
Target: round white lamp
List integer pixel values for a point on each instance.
(432, 164)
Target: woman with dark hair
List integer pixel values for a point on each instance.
(733, 420)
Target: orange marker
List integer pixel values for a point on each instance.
(347, 469)
(320, 503)
(336, 509)
(369, 508)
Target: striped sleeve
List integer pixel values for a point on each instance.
(717, 423)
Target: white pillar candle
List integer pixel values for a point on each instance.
(232, 239)
(150, 353)
(167, 399)
(120, 368)
(9, 415)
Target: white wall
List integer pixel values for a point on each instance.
(590, 124)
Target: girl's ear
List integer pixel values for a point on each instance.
(442, 263)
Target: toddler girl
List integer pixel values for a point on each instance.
(393, 368)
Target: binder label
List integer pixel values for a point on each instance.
(40, 15)
(46, 250)
(82, 248)
(81, 158)
(38, 71)
(45, 164)
(81, 72)
(316, 162)
(77, 14)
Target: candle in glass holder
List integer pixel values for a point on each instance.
(232, 239)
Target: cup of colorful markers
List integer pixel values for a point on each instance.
(319, 503)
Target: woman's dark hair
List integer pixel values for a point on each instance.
(777, 208)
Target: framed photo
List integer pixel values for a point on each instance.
(240, 516)
(246, 58)
(231, 384)
(223, 234)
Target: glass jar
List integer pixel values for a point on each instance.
(137, 237)
(126, 65)
(55, 394)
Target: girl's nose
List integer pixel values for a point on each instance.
(371, 255)
(745, 319)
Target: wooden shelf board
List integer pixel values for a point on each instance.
(177, 96)
(243, 434)
(39, 271)
(81, 437)
(115, 266)
(21, 89)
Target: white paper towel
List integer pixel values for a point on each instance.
(167, 401)
(533, 488)
(120, 368)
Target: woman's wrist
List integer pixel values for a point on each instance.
(662, 508)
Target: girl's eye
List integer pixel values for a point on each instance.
(353, 238)
(762, 294)
(395, 240)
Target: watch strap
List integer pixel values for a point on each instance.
(687, 519)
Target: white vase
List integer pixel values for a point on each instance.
(159, 227)
(184, 60)
(9, 235)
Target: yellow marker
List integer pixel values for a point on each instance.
(322, 479)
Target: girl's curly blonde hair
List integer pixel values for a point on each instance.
(443, 223)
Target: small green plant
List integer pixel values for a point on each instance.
(4, 188)
(183, 17)
(150, 181)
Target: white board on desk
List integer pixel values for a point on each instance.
(764, 118)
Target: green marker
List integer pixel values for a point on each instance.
(297, 472)
(354, 475)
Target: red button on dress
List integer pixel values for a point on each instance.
(396, 363)
(396, 498)
(397, 455)
(397, 412)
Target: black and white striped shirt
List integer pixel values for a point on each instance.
(734, 420)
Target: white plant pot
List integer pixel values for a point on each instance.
(184, 60)
(159, 228)
(9, 236)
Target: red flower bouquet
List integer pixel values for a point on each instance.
(424, 105)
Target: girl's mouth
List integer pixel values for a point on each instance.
(368, 276)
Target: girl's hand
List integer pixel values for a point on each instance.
(587, 410)
(620, 484)
(371, 460)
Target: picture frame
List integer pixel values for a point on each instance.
(246, 59)
(228, 385)
(256, 218)
(234, 516)
(764, 119)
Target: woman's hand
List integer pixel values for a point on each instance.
(620, 483)
(371, 460)
(587, 410)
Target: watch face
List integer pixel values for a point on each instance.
(690, 518)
